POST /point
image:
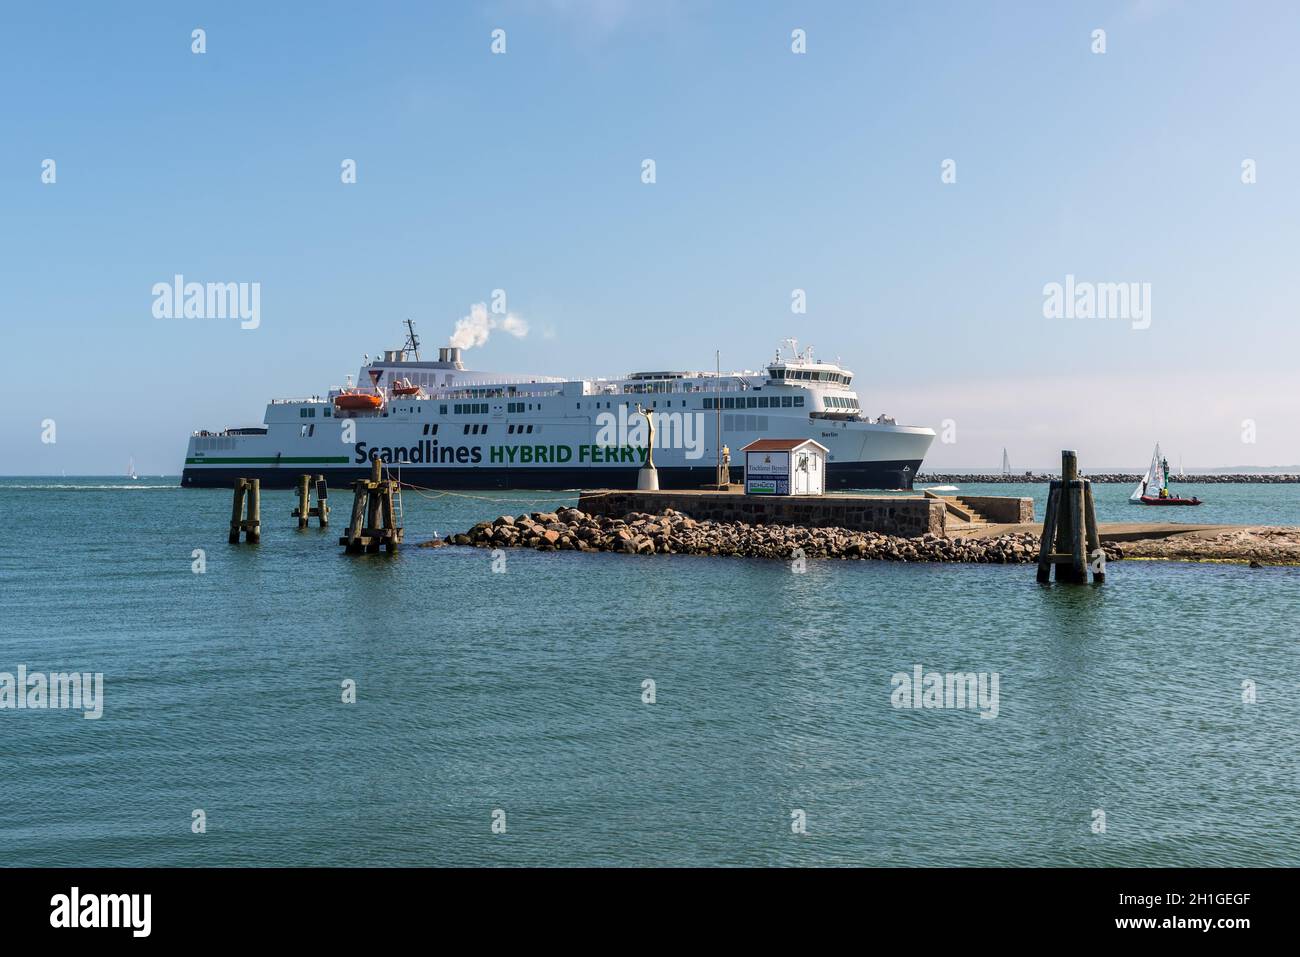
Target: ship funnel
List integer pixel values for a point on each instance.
(450, 355)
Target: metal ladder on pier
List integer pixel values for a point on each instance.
(400, 513)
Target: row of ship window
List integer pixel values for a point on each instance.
(431, 428)
(813, 375)
(481, 428)
(213, 444)
(737, 402)
(757, 402)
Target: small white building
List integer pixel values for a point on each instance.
(785, 467)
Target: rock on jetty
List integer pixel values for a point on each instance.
(1256, 545)
(1110, 478)
(673, 533)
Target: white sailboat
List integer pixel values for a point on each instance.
(1154, 487)
(1143, 485)
(130, 471)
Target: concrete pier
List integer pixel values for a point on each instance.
(905, 515)
(909, 516)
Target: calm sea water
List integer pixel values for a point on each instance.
(522, 691)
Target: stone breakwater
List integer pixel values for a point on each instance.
(1110, 478)
(673, 533)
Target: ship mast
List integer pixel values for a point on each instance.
(412, 341)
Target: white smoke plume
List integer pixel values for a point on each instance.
(474, 329)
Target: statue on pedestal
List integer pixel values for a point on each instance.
(647, 477)
(650, 435)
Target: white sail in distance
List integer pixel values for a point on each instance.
(1153, 481)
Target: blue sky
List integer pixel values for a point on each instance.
(775, 171)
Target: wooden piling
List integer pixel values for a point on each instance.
(390, 517)
(305, 512)
(246, 511)
(1049, 529)
(374, 516)
(1069, 527)
(1078, 555)
(356, 523)
(1095, 551)
(254, 531)
(373, 502)
(237, 511)
(322, 501)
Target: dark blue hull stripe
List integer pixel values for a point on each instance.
(838, 476)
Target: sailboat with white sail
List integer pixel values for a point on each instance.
(1154, 487)
(130, 471)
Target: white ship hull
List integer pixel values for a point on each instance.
(562, 456)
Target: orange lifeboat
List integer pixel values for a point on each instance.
(358, 401)
(404, 387)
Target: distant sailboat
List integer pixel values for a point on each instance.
(130, 471)
(1006, 463)
(1154, 487)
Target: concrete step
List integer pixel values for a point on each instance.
(957, 509)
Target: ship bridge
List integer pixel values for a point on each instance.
(829, 382)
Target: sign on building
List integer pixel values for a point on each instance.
(785, 467)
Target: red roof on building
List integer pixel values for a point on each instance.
(781, 445)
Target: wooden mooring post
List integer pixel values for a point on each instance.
(374, 521)
(304, 512)
(1070, 529)
(248, 492)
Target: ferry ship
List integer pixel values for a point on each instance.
(439, 425)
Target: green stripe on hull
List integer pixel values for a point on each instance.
(273, 459)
